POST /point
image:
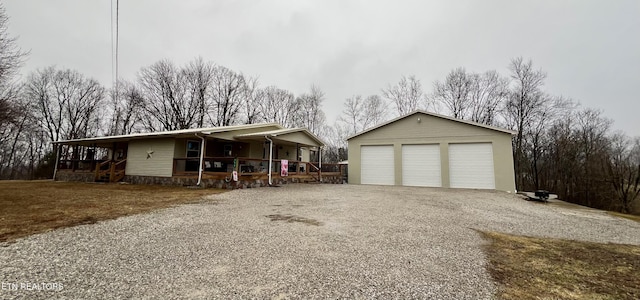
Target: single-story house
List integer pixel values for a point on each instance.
(224, 157)
(427, 149)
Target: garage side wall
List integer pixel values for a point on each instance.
(433, 130)
(159, 163)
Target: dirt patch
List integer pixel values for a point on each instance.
(292, 218)
(544, 268)
(30, 207)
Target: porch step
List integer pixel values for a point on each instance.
(105, 178)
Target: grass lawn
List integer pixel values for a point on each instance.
(29, 207)
(543, 268)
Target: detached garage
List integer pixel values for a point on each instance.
(430, 150)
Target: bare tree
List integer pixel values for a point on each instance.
(167, 101)
(471, 96)
(536, 135)
(360, 114)
(127, 109)
(199, 78)
(454, 93)
(525, 99)
(623, 170)
(279, 106)
(375, 111)
(351, 115)
(488, 93)
(66, 103)
(310, 115)
(11, 59)
(407, 95)
(228, 89)
(253, 98)
(335, 136)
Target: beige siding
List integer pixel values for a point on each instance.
(297, 137)
(229, 135)
(434, 130)
(257, 150)
(180, 148)
(159, 164)
(286, 152)
(304, 151)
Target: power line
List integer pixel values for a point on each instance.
(117, 40)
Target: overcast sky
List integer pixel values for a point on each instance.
(589, 49)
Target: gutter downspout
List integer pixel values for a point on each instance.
(270, 156)
(55, 168)
(201, 159)
(320, 163)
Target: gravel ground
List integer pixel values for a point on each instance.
(296, 241)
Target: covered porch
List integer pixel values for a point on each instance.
(271, 157)
(227, 157)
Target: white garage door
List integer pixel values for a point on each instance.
(471, 166)
(376, 165)
(421, 165)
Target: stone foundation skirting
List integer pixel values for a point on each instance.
(243, 183)
(222, 183)
(75, 176)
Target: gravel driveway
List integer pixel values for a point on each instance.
(296, 241)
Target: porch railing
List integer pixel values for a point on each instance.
(79, 165)
(248, 166)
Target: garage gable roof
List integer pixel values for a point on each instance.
(437, 116)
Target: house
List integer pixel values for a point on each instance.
(223, 157)
(427, 149)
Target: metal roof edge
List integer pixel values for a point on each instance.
(208, 130)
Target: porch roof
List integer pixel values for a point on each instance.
(300, 136)
(107, 141)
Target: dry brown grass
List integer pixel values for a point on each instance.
(626, 216)
(29, 207)
(542, 268)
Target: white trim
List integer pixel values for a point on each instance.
(205, 131)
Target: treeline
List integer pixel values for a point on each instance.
(559, 146)
(59, 104)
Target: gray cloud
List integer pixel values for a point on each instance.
(588, 48)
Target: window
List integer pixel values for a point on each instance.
(228, 150)
(193, 148)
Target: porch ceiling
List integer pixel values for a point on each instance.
(299, 136)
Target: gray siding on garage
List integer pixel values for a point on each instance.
(424, 128)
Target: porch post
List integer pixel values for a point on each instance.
(55, 168)
(320, 163)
